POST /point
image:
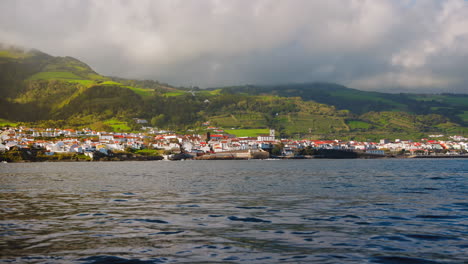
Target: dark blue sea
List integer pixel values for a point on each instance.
(287, 211)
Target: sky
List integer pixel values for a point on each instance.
(378, 45)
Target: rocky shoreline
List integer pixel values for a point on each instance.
(31, 156)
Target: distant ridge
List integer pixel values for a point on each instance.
(359, 101)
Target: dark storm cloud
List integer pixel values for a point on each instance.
(368, 44)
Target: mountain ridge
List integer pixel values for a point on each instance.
(44, 89)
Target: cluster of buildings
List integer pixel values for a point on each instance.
(84, 141)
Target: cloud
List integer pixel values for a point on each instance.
(408, 81)
(368, 44)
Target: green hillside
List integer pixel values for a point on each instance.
(359, 102)
(42, 90)
(38, 86)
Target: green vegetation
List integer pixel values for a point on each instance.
(464, 116)
(144, 93)
(247, 132)
(117, 125)
(4, 122)
(304, 123)
(37, 154)
(145, 84)
(215, 92)
(54, 75)
(209, 93)
(454, 99)
(32, 154)
(361, 102)
(170, 94)
(82, 82)
(359, 96)
(112, 83)
(240, 120)
(354, 125)
(149, 152)
(65, 92)
(19, 54)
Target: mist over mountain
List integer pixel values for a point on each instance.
(388, 46)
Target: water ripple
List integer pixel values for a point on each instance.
(235, 212)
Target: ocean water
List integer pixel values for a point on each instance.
(288, 211)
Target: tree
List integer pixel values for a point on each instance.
(101, 126)
(277, 149)
(158, 120)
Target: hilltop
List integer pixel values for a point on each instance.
(43, 90)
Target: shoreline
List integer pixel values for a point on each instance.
(225, 157)
(35, 155)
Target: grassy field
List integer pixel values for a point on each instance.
(4, 122)
(82, 82)
(358, 125)
(169, 94)
(13, 55)
(452, 128)
(149, 152)
(290, 123)
(141, 92)
(209, 93)
(93, 76)
(247, 132)
(54, 75)
(303, 123)
(215, 92)
(376, 136)
(110, 83)
(253, 120)
(117, 125)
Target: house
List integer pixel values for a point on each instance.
(265, 137)
(76, 148)
(105, 136)
(265, 145)
(115, 146)
(120, 139)
(187, 146)
(104, 151)
(57, 147)
(269, 137)
(216, 137)
(69, 132)
(140, 121)
(204, 147)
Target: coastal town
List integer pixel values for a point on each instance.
(96, 145)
